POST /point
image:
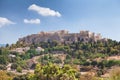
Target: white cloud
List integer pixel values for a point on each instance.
(5, 21)
(32, 21)
(44, 11)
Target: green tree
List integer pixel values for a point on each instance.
(19, 69)
(53, 72)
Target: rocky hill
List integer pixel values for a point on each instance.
(61, 36)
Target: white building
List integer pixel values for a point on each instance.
(39, 49)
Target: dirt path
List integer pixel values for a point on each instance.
(113, 58)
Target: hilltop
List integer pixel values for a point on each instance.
(61, 36)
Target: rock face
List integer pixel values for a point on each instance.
(61, 36)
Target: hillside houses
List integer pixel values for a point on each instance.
(39, 49)
(21, 50)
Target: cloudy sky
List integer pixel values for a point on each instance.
(19, 18)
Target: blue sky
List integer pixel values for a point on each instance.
(19, 18)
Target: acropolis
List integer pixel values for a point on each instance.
(62, 36)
